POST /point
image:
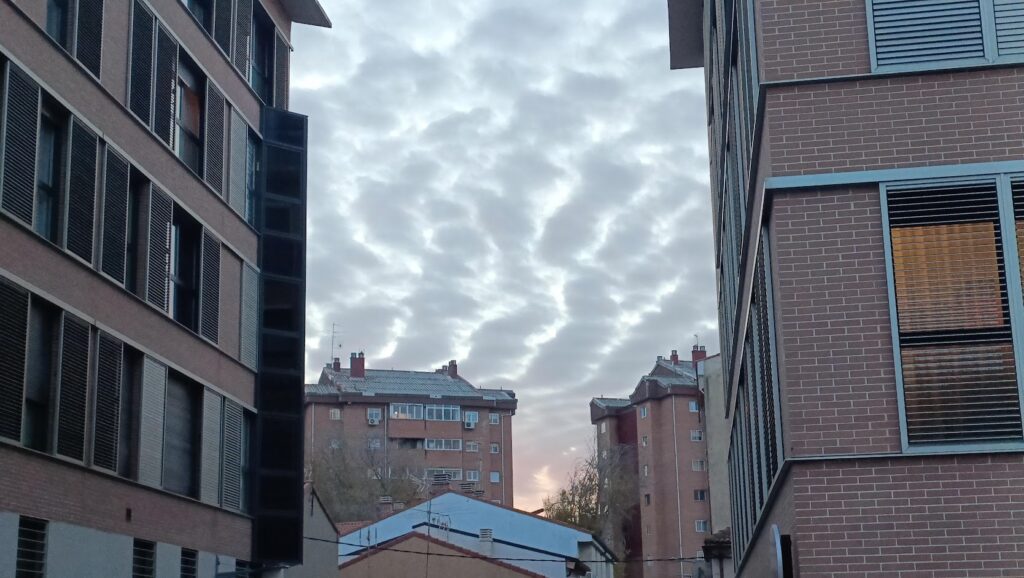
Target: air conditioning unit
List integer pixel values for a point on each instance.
(372, 421)
(470, 424)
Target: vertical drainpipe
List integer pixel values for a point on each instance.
(312, 433)
(679, 500)
(504, 452)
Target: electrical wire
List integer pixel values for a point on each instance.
(499, 559)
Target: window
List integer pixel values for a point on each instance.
(472, 475)
(138, 190)
(186, 238)
(647, 499)
(452, 445)
(604, 427)
(31, 557)
(373, 413)
(495, 418)
(188, 143)
(947, 34)
(50, 171)
(373, 443)
(694, 406)
(143, 559)
(472, 446)
(696, 435)
(443, 413)
(699, 465)
(189, 563)
(251, 154)
(201, 9)
(335, 444)
(261, 72)
(495, 477)
(644, 440)
(472, 417)
(334, 414)
(406, 411)
(700, 495)
(643, 412)
(701, 526)
(495, 448)
(952, 321)
(181, 435)
(453, 474)
(646, 470)
(57, 17)
(41, 378)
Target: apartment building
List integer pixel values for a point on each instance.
(152, 207)
(427, 425)
(865, 177)
(663, 423)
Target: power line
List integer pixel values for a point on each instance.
(495, 559)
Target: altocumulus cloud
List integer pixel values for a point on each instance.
(520, 185)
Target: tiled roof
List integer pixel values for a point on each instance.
(401, 382)
(610, 402)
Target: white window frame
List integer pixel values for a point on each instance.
(456, 473)
(471, 417)
(442, 412)
(334, 414)
(443, 444)
(472, 475)
(473, 447)
(696, 435)
(495, 418)
(643, 412)
(406, 411)
(699, 465)
(700, 495)
(373, 443)
(374, 413)
(701, 526)
(647, 470)
(645, 441)
(495, 477)
(604, 427)
(495, 448)
(694, 406)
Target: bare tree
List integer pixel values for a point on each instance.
(351, 479)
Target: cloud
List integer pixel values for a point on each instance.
(520, 186)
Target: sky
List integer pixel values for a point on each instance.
(520, 185)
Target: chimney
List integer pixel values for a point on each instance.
(357, 366)
(337, 364)
(453, 369)
(699, 353)
(675, 357)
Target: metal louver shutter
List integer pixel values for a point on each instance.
(109, 356)
(953, 316)
(920, 31)
(282, 56)
(243, 32)
(89, 34)
(209, 477)
(81, 210)
(238, 152)
(140, 92)
(74, 385)
(151, 437)
(222, 24)
(13, 336)
(21, 131)
(1009, 16)
(215, 128)
(116, 173)
(231, 463)
(166, 86)
(765, 360)
(161, 210)
(250, 317)
(210, 296)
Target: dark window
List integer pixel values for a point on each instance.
(647, 499)
(181, 436)
(189, 116)
(251, 166)
(49, 172)
(261, 74)
(246, 463)
(143, 559)
(31, 562)
(43, 343)
(201, 9)
(189, 563)
(57, 18)
(128, 441)
(186, 237)
(138, 191)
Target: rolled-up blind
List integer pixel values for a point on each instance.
(89, 34)
(922, 31)
(115, 215)
(958, 368)
(20, 133)
(250, 317)
(74, 385)
(166, 86)
(214, 139)
(140, 92)
(231, 464)
(1009, 15)
(243, 32)
(81, 208)
(158, 270)
(210, 296)
(13, 336)
(237, 154)
(223, 22)
(213, 410)
(282, 56)
(151, 436)
(109, 356)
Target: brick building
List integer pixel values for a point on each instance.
(436, 421)
(151, 294)
(865, 177)
(662, 426)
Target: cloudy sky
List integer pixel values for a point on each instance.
(520, 185)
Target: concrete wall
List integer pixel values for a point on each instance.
(168, 561)
(320, 555)
(86, 553)
(8, 543)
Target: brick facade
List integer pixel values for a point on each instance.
(810, 39)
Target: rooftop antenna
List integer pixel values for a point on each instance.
(334, 333)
